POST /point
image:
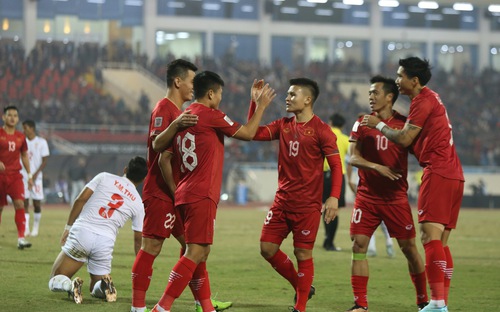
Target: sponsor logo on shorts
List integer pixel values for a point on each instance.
(420, 212)
(306, 232)
(409, 227)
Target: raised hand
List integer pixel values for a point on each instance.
(256, 88)
(266, 96)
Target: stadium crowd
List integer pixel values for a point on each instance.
(62, 83)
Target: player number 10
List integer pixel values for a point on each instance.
(382, 142)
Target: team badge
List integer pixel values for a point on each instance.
(158, 121)
(309, 131)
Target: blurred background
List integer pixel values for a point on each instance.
(90, 71)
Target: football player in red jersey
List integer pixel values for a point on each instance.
(304, 142)
(13, 147)
(199, 153)
(382, 194)
(428, 132)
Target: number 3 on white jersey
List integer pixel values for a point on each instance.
(187, 147)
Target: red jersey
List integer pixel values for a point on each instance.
(11, 147)
(162, 116)
(200, 153)
(433, 147)
(302, 150)
(372, 187)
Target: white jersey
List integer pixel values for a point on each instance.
(37, 150)
(115, 200)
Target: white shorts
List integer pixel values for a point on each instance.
(36, 192)
(94, 249)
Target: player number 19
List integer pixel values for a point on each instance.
(293, 148)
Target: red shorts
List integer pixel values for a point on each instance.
(366, 217)
(199, 221)
(12, 185)
(160, 219)
(279, 223)
(439, 200)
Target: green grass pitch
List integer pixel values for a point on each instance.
(239, 274)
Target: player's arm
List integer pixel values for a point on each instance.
(360, 162)
(262, 101)
(26, 163)
(352, 185)
(165, 164)
(137, 241)
(163, 140)
(403, 137)
(42, 166)
(331, 206)
(76, 209)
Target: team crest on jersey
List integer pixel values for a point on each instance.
(228, 120)
(158, 121)
(309, 131)
(286, 130)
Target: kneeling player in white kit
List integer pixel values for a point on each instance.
(103, 206)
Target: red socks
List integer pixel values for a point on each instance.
(420, 282)
(20, 220)
(142, 270)
(435, 266)
(448, 273)
(179, 278)
(359, 289)
(200, 284)
(305, 278)
(284, 266)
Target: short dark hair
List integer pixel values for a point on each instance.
(337, 120)
(178, 68)
(416, 67)
(309, 84)
(137, 169)
(389, 86)
(6, 108)
(30, 123)
(205, 81)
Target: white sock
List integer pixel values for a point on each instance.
(60, 283)
(437, 303)
(97, 291)
(27, 217)
(160, 309)
(372, 246)
(37, 216)
(388, 239)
